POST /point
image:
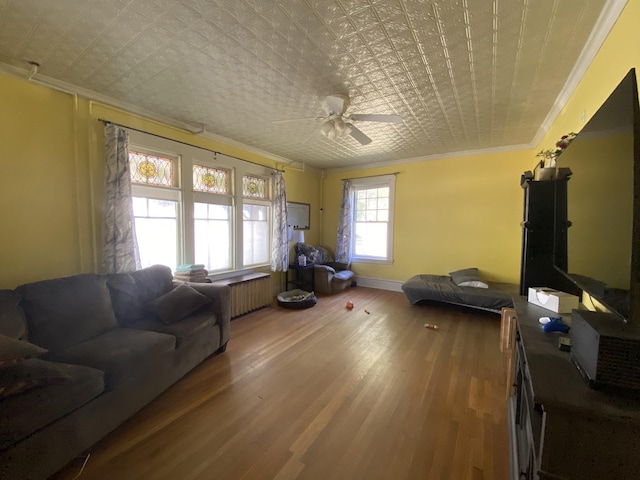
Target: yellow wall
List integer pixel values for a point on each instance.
(52, 157)
(616, 57)
(449, 214)
(466, 211)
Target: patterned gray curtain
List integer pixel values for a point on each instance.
(279, 237)
(343, 241)
(119, 247)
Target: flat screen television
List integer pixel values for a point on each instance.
(603, 206)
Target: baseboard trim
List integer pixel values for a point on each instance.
(380, 283)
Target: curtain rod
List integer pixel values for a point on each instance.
(109, 122)
(370, 176)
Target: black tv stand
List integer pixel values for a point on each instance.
(559, 427)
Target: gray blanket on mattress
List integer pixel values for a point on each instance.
(440, 288)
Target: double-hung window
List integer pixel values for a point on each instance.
(191, 206)
(256, 220)
(372, 223)
(212, 217)
(156, 206)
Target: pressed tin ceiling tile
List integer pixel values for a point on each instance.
(463, 75)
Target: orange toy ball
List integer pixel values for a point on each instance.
(349, 305)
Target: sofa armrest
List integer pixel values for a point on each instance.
(221, 305)
(324, 268)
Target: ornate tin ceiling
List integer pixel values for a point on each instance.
(464, 75)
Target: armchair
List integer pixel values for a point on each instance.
(329, 276)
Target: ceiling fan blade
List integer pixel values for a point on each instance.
(359, 135)
(289, 120)
(310, 136)
(335, 104)
(372, 117)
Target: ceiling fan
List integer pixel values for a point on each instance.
(338, 123)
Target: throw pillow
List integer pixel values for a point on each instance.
(13, 351)
(176, 304)
(468, 277)
(27, 375)
(12, 322)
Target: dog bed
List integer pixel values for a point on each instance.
(297, 299)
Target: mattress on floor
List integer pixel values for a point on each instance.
(440, 288)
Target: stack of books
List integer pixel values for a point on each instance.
(192, 273)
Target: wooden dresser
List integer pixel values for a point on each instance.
(559, 427)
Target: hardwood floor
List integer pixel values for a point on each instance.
(327, 393)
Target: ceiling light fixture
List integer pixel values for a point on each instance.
(335, 128)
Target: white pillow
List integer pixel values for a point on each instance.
(473, 283)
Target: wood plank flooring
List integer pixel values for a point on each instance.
(327, 393)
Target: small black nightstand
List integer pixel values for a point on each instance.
(302, 277)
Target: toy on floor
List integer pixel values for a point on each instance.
(349, 305)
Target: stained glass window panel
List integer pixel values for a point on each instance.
(151, 170)
(254, 187)
(210, 180)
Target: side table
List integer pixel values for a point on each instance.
(300, 277)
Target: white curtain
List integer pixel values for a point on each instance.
(343, 241)
(119, 247)
(279, 237)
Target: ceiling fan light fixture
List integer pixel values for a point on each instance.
(341, 127)
(328, 129)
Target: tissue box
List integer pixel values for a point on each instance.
(554, 300)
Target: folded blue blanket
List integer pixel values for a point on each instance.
(189, 267)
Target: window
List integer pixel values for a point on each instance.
(256, 224)
(156, 207)
(191, 206)
(372, 228)
(212, 218)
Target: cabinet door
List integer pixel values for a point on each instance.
(537, 235)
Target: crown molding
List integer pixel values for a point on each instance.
(426, 158)
(198, 130)
(607, 19)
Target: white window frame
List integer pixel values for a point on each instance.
(173, 194)
(189, 155)
(367, 184)
(226, 200)
(255, 201)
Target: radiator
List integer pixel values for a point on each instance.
(249, 292)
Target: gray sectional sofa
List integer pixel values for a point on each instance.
(81, 354)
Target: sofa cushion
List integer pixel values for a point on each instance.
(23, 414)
(118, 352)
(13, 351)
(176, 304)
(25, 375)
(183, 330)
(131, 292)
(12, 322)
(124, 297)
(67, 311)
(153, 282)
